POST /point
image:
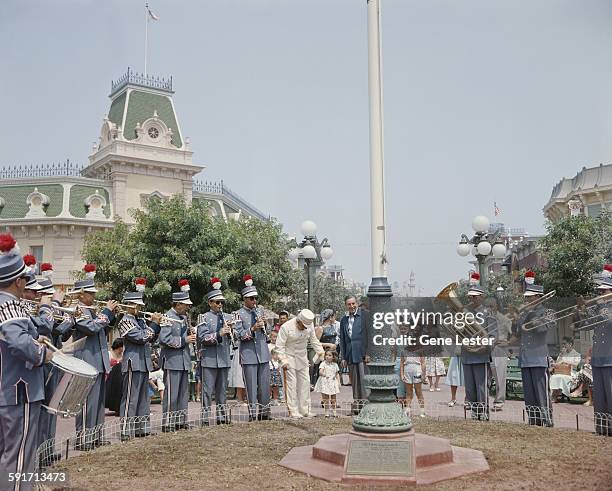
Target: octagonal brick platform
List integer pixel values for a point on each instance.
(435, 458)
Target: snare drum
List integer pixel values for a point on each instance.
(68, 383)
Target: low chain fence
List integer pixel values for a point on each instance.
(121, 429)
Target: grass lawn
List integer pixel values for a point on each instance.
(245, 456)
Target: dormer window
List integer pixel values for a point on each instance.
(95, 204)
(38, 203)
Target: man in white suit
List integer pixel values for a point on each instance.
(294, 337)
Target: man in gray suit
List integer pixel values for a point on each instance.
(354, 341)
(533, 358)
(214, 337)
(254, 353)
(21, 377)
(93, 326)
(135, 367)
(174, 338)
(476, 359)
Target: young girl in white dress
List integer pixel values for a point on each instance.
(328, 383)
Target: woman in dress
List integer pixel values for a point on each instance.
(454, 376)
(235, 375)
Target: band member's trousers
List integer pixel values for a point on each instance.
(357, 372)
(257, 384)
(135, 403)
(475, 376)
(498, 370)
(602, 400)
(92, 413)
(537, 395)
(214, 381)
(298, 391)
(47, 422)
(18, 442)
(176, 397)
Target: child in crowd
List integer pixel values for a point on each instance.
(411, 372)
(275, 378)
(328, 383)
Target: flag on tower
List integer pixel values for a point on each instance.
(152, 16)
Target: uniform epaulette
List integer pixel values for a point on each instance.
(13, 309)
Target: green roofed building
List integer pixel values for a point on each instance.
(141, 153)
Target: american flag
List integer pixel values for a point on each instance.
(496, 210)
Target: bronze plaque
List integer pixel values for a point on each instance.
(380, 458)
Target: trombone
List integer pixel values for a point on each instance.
(568, 312)
(604, 314)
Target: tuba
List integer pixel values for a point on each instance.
(472, 329)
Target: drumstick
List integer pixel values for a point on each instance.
(68, 349)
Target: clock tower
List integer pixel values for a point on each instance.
(141, 150)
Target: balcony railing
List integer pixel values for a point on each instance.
(134, 78)
(219, 188)
(61, 169)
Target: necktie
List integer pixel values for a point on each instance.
(350, 325)
(253, 319)
(219, 323)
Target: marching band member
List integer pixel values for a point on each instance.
(136, 364)
(294, 337)
(599, 316)
(175, 338)
(43, 319)
(476, 364)
(214, 336)
(62, 329)
(93, 326)
(533, 356)
(254, 353)
(21, 377)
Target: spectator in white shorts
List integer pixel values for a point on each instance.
(156, 379)
(412, 369)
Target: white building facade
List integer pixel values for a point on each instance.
(141, 153)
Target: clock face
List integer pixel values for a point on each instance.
(153, 133)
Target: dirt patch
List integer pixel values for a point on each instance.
(245, 456)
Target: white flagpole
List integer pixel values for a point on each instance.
(146, 37)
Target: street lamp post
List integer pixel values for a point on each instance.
(314, 254)
(482, 245)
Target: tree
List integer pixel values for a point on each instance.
(328, 294)
(171, 240)
(575, 249)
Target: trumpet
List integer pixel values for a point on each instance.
(148, 316)
(59, 313)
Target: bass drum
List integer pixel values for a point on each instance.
(67, 384)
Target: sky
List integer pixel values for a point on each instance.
(483, 102)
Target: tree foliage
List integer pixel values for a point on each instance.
(328, 294)
(171, 240)
(575, 249)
